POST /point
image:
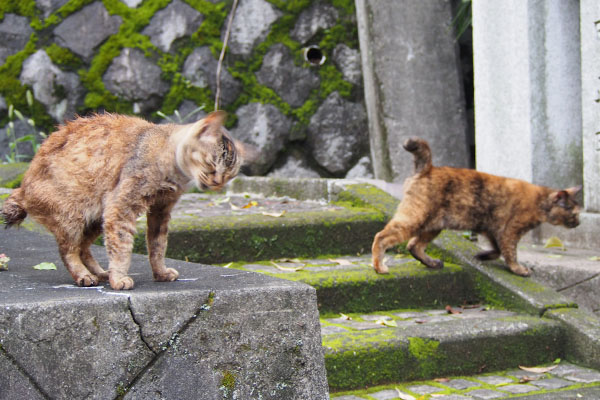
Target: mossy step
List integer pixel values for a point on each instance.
(434, 344)
(560, 380)
(208, 228)
(349, 283)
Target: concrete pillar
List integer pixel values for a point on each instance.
(590, 95)
(413, 84)
(528, 90)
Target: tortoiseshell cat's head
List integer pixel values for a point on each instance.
(564, 209)
(207, 154)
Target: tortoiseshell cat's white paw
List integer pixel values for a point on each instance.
(169, 275)
(520, 270)
(120, 282)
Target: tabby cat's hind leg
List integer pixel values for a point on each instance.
(416, 246)
(70, 255)
(394, 233)
(89, 235)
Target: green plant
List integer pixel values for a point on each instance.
(13, 156)
(178, 119)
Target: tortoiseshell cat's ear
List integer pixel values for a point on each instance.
(564, 198)
(574, 190)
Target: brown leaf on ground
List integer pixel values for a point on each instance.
(538, 370)
(452, 311)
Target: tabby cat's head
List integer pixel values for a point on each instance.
(564, 209)
(207, 154)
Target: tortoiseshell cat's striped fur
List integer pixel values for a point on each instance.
(99, 174)
(502, 209)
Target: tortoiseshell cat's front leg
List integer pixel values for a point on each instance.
(156, 240)
(416, 246)
(508, 247)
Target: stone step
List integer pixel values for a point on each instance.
(562, 381)
(408, 345)
(349, 283)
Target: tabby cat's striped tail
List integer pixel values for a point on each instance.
(421, 152)
(12, 212)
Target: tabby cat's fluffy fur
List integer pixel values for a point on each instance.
(502, 209)
(98, 174)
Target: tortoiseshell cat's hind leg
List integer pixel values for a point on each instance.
(493, 253)
(416, 246)
(393, 233)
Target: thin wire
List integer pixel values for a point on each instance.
(222, 56)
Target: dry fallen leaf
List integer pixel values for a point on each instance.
(340, 261)
(251, 204)
(276, 215)
(452, 311)
(384, 322)
(45, 266)
(538, 370)
(404, 396)
(345, 317)
(594, 258)
(292, 269)
(292, 260)
(554, 241)
(526, 379)
(441, 380)
(234, 207)
(228, 265)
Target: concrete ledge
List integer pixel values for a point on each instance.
(582, 334)
(215, 332)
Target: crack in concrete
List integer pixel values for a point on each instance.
(578, 283)
(23, 372)
(135, 321)
(166, 346)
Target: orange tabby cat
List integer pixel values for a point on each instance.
(102, 172)
(502, 209)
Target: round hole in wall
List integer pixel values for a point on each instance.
(314, 55)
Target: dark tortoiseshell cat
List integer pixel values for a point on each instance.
(502, 209)
(100, 173)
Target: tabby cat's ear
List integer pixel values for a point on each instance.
(210, 124)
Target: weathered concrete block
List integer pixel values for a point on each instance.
(214, 333)
(590, 93)
(527, 90)
(14, 35)
(412, 83)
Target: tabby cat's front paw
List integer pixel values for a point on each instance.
(380, 267)
(169, 275)
(87, 280)
(122, 282)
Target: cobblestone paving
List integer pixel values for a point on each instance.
(562, 381)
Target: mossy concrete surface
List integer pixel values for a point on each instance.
(11, 174)
(353, 286)
(495, 283)
(411, 352)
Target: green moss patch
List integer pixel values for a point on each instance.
(12, 174)
(378, 356)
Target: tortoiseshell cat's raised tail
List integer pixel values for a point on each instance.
(98, 174)
(502, 209)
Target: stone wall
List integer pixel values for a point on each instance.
(307, 118)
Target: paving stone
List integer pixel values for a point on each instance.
(349, 397)
(551, 383)
(460, 384)
(584, 377)
(519, 389)
(363, 326)
(385, 394)
(485, 394)
(424, 389)
(330, 329)
(453, 397)
(410, 314)
(375, 317)
(494, 380)
(519, 374)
